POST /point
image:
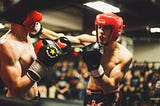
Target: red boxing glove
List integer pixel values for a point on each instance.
(30, 20)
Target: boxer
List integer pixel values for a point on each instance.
(106, 59)
(21, 64)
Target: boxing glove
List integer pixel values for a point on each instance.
(91, 55)
(64, 44)
(48, 53)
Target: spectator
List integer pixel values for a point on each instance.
(62, 87)
(74, 78)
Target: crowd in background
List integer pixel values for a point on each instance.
(69, 76)
(141, 84)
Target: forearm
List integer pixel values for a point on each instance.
(49, 34)
(17, 84)
(79, 39)
(106, 82)
(66, 88)
(87, 38)
(57, 88)
(53, 35)
(113, 79)
(21, 86)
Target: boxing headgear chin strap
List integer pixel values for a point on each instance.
(110, 19)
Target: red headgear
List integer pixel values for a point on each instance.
(32, 17)
(110, 19)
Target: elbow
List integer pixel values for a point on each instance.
(17, 90)
(107, 83)
(112, 86)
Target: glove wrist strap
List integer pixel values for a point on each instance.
(98, 72)
(36, 71)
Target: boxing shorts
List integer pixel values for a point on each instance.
(98, 98)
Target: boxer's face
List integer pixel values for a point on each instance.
(104, 33)
(33, 27)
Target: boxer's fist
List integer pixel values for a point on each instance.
(48, 53)
(64, 44)
(91, 55)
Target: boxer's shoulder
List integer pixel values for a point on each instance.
(3, 38)
(124, 51)
(8, 53)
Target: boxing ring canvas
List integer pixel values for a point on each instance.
(5, 101)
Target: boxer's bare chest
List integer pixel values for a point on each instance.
(109, 61)
(27, 56)
(25, 53)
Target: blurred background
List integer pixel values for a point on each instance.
(141, 36)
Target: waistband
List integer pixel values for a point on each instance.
(90, 91)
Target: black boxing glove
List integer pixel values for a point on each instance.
(48, 53)
(64, 44)
(91, 55)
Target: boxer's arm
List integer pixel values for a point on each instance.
(83, 39)
(46, 33)
(116, 75)
(86, 39)
(12, 77)
(10, 73)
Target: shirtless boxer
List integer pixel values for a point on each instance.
(21, 67)
(107, 60)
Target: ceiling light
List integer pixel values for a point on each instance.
(103, 7)
(155, 30)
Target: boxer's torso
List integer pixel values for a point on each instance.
(21, 54)
(110, 59)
